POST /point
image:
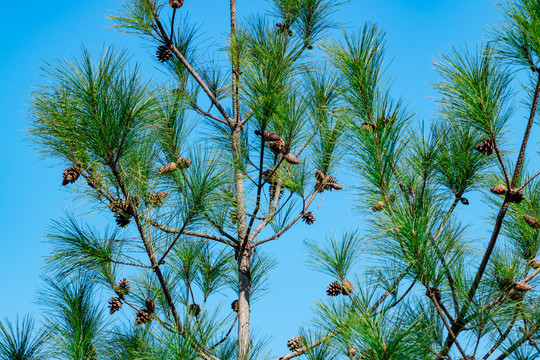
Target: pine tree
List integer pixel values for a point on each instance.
(194, 203)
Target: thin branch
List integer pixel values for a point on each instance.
(519, 161)
(520, 342)
(528, 181)
(226, 336)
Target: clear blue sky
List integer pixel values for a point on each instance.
(36, 31)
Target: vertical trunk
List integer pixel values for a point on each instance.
(244, 311)
(244, 250)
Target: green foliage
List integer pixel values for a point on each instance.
(22, 341)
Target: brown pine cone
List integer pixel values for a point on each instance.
(464, 201)
(515, 196)
(115, 304)
(368, 126)
(150, 305)
(347, 287)
(268, 135)
(486, 147)
(296, 343)
(123, 287)
(309, 217)
(532, 221)
(155, 199)
(499, 189)
(71, 175)
(167, 168)
(234, 306)
(176, 4)
(334, 289)
(291, 159)
(378, 206)
(277, 146)
(183, 163)
(194, 309)
(143, 316)
(122, 219)
(319, 175)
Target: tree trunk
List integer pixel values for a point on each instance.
(244, 311)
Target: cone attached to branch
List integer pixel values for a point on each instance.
(291, 159)
(167, 168)
(515, 196)
(235, 306)
(319, 175)
(347, 287)
(176, 4)
(268, 135)
(379, 205)
(499, 189)
(115, 304)
(164, 52)
(334, 289)
(155, 199)
(150, 305)
(123, 287)
(143, 317)
(486, 146)
(309, 217)
(296, 343)
(368, 126)
(277, 146)
(183, 163)
(122, 219)
(194, 309)
(71, 175)
(533, 222)
(464, 201)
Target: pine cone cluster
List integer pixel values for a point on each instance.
(155, 199)
(123, 287)
(486, 146)
(235, 306)
(334, 289)
(164, 52)
(176, 4)
(309, 217)
(296, 343)
(499, 189)
(533, 222)
(71, 175)
(115, 304)
(284, 28)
